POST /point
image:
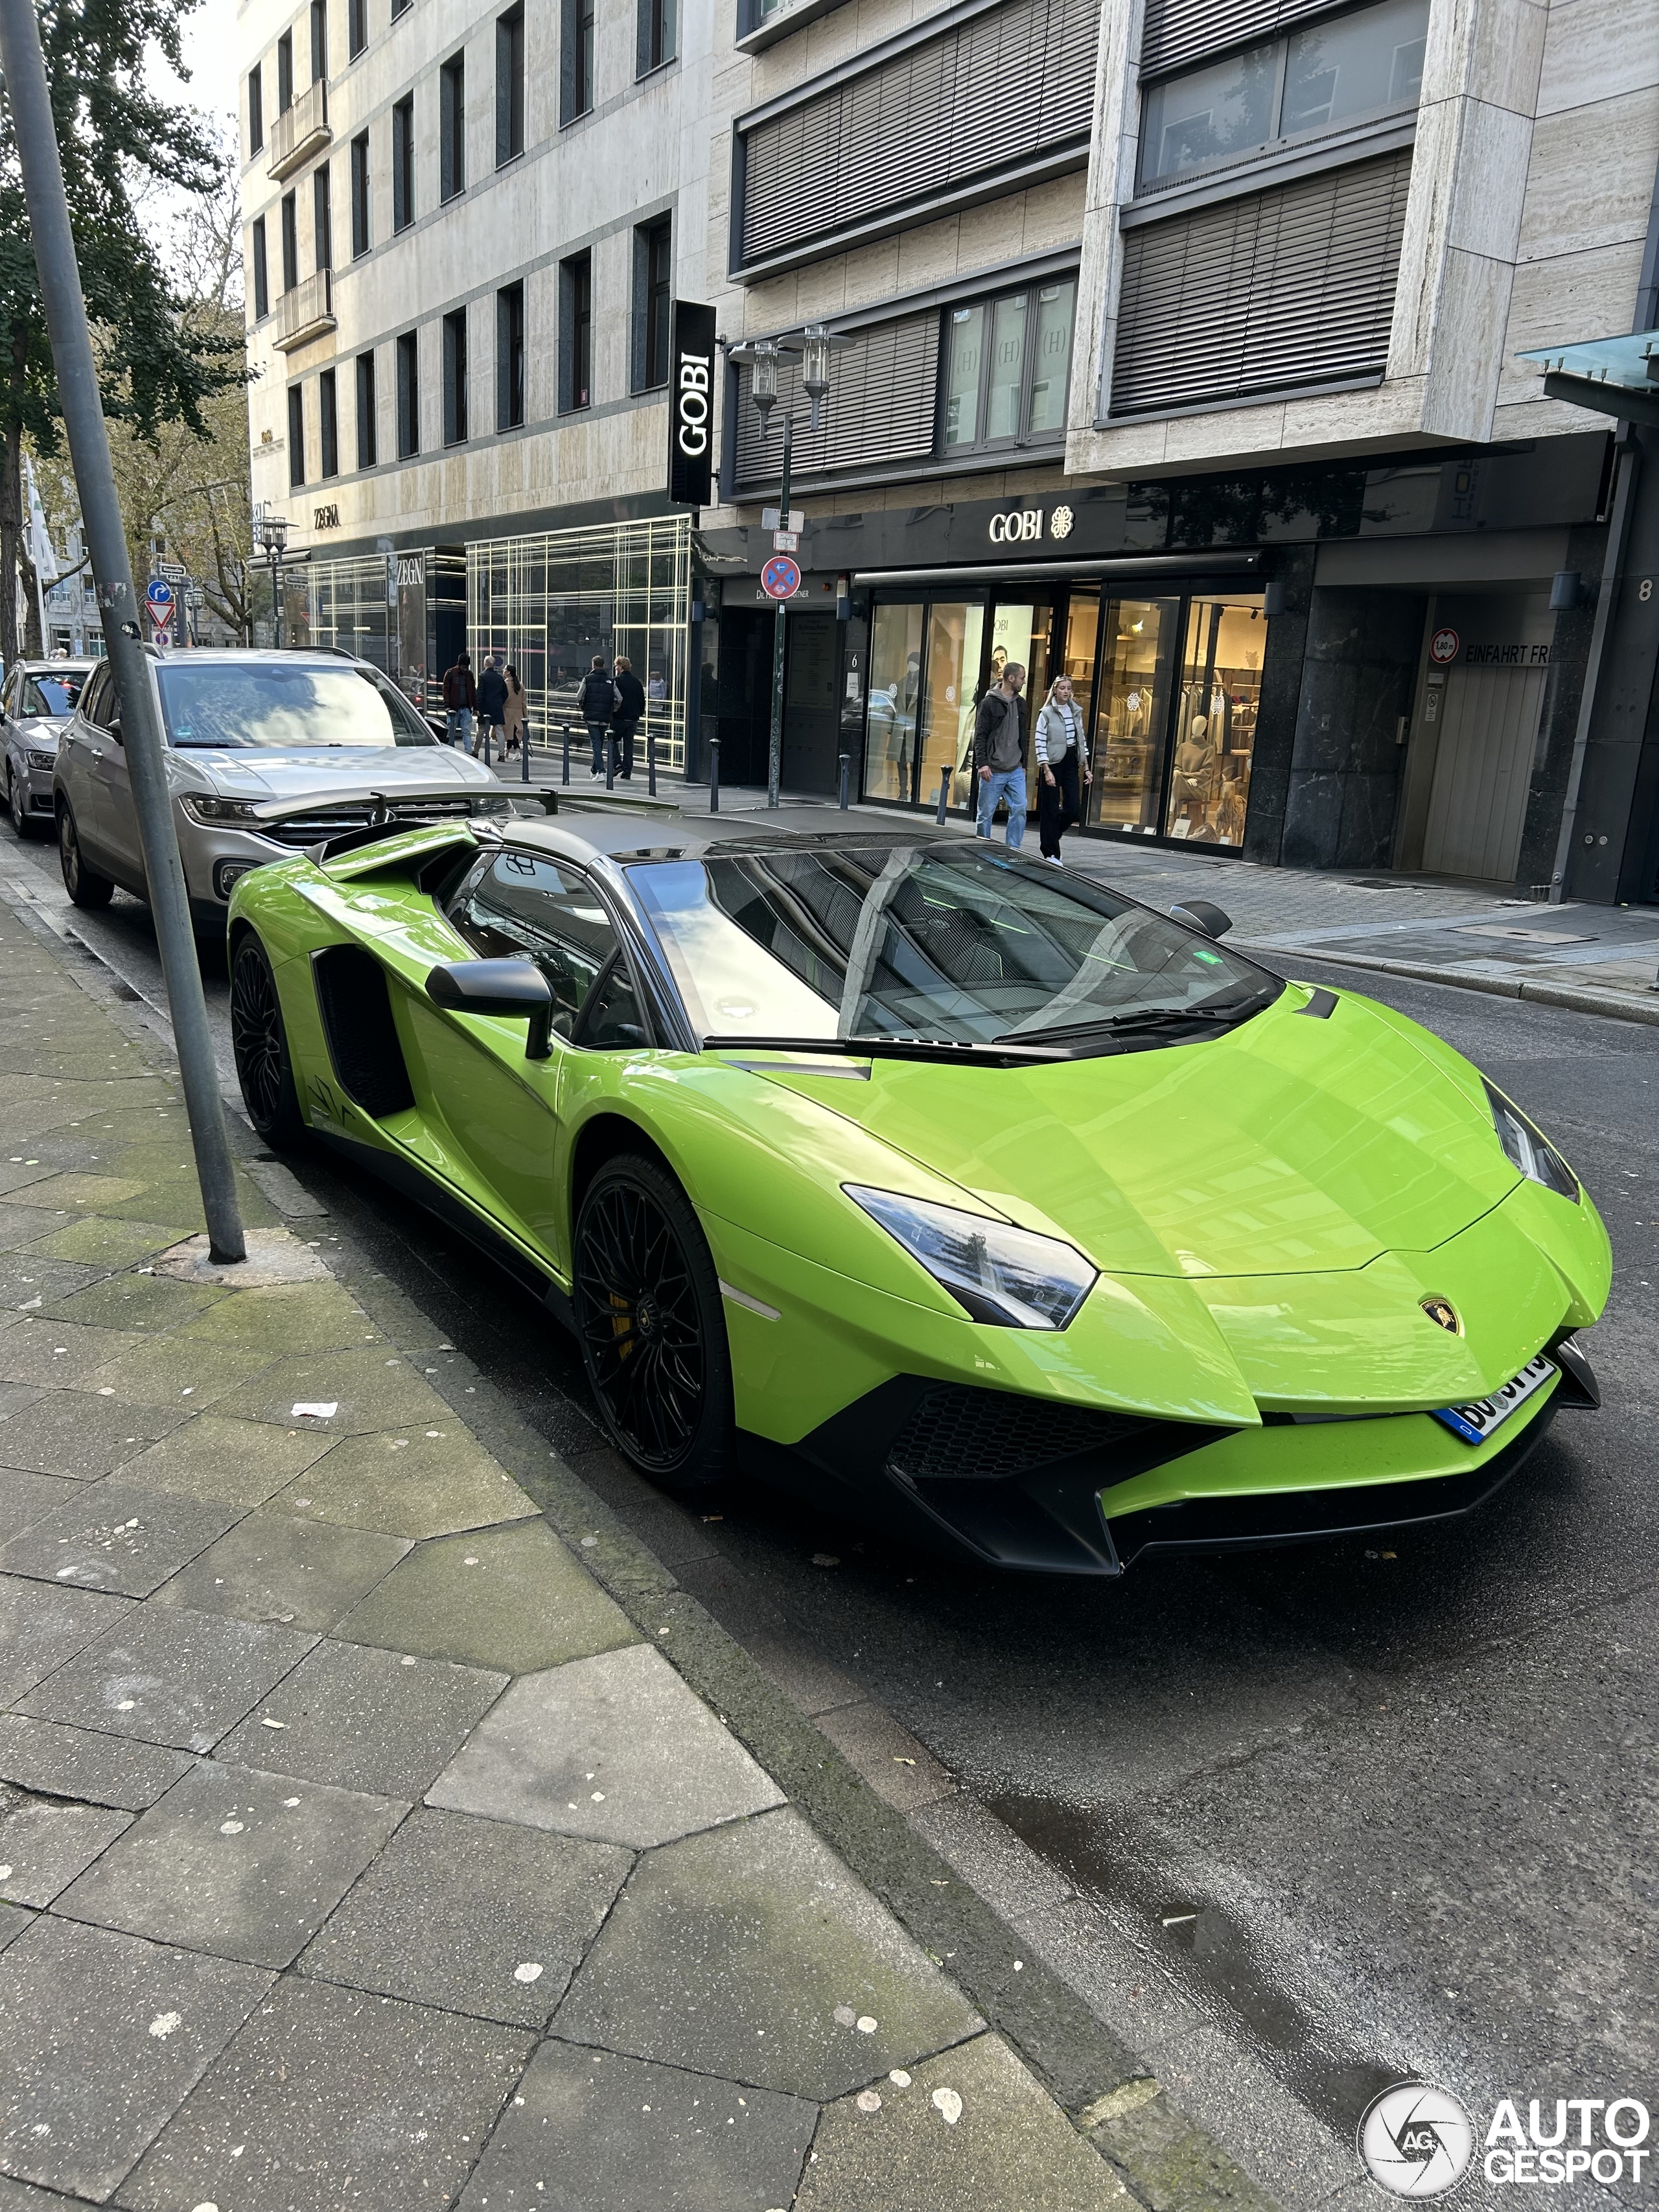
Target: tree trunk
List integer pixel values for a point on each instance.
(11, 539)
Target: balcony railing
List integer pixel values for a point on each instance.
(304, 314)
(299, 131)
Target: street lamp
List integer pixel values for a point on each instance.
(271, 531)
(762, 356)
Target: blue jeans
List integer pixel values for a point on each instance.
(459, 724)
(1007, 783)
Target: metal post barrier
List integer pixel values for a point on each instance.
(713, 775)
(944, 793)
(651, 761)
(610, 762)
(846, 773)
(565, 778)
(105, 538)
(524, 749)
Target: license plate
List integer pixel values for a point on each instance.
(1475, 1422)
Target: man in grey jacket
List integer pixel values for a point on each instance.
(999, 754)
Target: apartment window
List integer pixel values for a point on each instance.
(576, 61)
(452, 129)
(509, 356)
(296, 436)
(1006, 362)
(328, 427)
(368, 436)
(256, 109)
(658, 33)
(290, 241)
(455, 379)
(322, 217)
(356, 27)
(403, 163)
(261, 272)
(409, 395)
(575, 332)
(318, 40)
(285, 73)
(359, 233)
(1328, 78)
(653, 284)
(509, 86)
(400, 7)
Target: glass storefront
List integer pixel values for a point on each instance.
(1169, 686)
(402, 611)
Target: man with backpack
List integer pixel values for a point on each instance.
(596, 703)
(999, 754)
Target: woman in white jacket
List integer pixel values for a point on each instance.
(1058, 743)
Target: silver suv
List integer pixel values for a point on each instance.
(37, 698)
(266, 752)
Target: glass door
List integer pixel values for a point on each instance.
(895, 701)
(956, 641)
(1135, 668)
(1215, 718)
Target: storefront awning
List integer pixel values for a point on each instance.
(1610, 376)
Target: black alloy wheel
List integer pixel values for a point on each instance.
(17, 802)
(652, 1332)
(85, 886)
(260, 1045)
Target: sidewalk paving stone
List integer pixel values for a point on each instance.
(85, 1194)
(112, 1537)
(512, 1598)
(367, 1719)
(1010, 2148)
(27, 1498)
(403, 1482)
(752, 1951)
(177, 1373)
(85, 1765)
(130, 1301)
(243, 1864)
(590, 2132)
(22, 1226)
(233, 1462)
(54, 1353)
(287, 1318)
(82, 1434)
(373, 1388)
(329, 2097)
(107, 1243)
(14, 1919)
(43, 1625)
(24, 1276)
(45, 1845)
(505, 1916)
(107, 2034)
(281, 1567)
(616, 1749)
(167, 1676)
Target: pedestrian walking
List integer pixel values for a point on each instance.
(492, 705)
(1061, 769)
(517, 712)
(460, 697)
(596, 703)
(630, 705)
(999, 754)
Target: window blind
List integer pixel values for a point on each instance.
(1267, 292)
(993, 93)
(1176, 31)
(883, 401)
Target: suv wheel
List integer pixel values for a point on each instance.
(85, 886)
(17, 803)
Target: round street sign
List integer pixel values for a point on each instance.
(1442, 645)
(780, 577)
(158, 599)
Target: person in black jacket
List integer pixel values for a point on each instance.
(630, 707)
(596, 703)
(492, 705)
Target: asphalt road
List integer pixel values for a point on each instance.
(1307, 1820)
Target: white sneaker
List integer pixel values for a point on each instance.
(1054, 860)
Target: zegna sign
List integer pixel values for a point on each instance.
(691, 406)
(1023, 525)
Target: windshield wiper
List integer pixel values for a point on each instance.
(1132, 1020)
(995, 1053)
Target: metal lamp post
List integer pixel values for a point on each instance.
(272, 534)
(814, 344)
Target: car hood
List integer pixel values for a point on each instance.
(317, 774)
(41, 730)
(1291, 1145)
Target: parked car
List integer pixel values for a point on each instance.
(36, 701)
(267, 752)
(948, 1190)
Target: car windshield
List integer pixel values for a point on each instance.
(53, 696)
(238, 705)
(939, 942)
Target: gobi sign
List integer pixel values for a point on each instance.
(691, 406)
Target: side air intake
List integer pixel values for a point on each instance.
(363, 1037)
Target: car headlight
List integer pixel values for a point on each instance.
(493, 803)
(38, 757)
(1010, 1278)
(202, 806)
(1528, 1148)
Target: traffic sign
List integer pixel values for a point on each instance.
(1442, 647)
(774, 517)
(158, 599)
(785, 541)
(780, 577)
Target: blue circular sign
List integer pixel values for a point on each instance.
(159, 591)
(780, 577)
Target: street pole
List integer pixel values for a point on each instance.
(141, 724)
(774, 750)
(275, 603)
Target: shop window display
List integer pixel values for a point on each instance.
(956, 639)
(895, 701)
(1215, 720)
(1137, 651)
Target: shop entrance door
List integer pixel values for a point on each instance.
(812, 722)
(745, 694)
(1482, 769)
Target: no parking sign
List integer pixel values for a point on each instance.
(780, 577)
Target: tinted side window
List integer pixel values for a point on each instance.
(100, 698)
(612, 1020)
(517, 906)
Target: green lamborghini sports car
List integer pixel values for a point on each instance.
(957, 1192)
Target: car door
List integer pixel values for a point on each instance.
(113, 808)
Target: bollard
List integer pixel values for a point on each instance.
(944, 794)
(565, 778)
(846, 771)
(650, 762)
(610, 762)
(524, 751)
(713, 775)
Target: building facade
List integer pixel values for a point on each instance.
(1179, 354)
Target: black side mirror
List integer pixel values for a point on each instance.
(1201, 914)
(115, 732)
(510, 988)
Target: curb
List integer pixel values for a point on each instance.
(1614, 1006)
